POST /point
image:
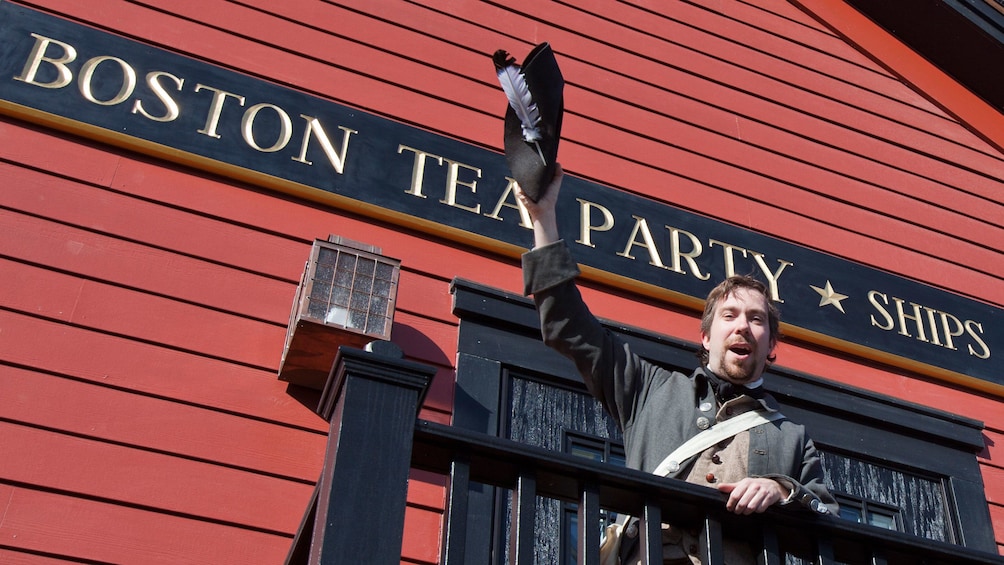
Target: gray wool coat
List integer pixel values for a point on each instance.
(656, 408)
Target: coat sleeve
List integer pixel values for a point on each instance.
(809, 489)
(610, 371)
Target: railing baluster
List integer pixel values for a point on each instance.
(714, 551)
(588, 549)
(650, 540)
(455, 520)
(878, 557)
(521, 536)
(825, 552)
(770, 554)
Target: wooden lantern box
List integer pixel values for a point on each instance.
(346, 296)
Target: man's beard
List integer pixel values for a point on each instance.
(739, 371)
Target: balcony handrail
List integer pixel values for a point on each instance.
(490, 460)
(357, 513)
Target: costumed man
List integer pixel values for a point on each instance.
(771, 464)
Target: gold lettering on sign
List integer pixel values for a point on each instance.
(927, 325)
(902, 317)
(504, 202)
(730, 262)
(696, 248)
(418, 169)
(641, 227)
(171, 108)
(586, 226)
(285, 128)
(771, 276)
(87, 74)
(453, 179)
(315, 130)
(975, 330)
(216, 108)
(37, 57)
(887, 324)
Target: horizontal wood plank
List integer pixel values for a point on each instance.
(422, 529)
(162, 425)
(91, 530)
(125, 263)
(124, 311)
(120, 215)
(993, 483)
(52, 461)
(155, 371)
(15, 557)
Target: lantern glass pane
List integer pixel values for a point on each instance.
(360, 301)
(382, 288)
(357, 320)
(340, 296)
(326, 256)
(345, 270)
(335, 315)
(317, 309)
(379, 306)
(324, 273)
(365, 267)
(385, 271)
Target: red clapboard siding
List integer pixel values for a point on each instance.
(422, 532)
(777, 20)
(149, 269)
(993, 453)
(856, 247)
(391, 38)
(913, 128)
(151, 370)
(426, 489)
(804, 189)
(126, 475)
(997, 518)
(159, 424)
(826, 236)
(894, 382)
(424, 295)
(126, 312)
(92, 530)
(121, 215)
(11, 557)
(894, 231)
(993, 483)
(225, 201)
(863, 32)
(223, 48)
(928, 124)
(438, 404)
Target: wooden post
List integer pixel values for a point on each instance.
(372, 401)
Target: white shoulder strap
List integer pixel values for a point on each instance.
(713, 435)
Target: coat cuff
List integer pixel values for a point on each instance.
(547, 267)
(799, 494)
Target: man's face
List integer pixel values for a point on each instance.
(738, 342)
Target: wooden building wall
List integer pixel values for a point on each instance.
(143, 305)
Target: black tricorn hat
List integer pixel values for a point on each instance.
(532, 163)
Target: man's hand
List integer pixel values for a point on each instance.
(752, 495)
(542, 213)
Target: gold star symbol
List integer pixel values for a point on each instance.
(829, 296)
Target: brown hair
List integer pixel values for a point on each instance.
(725, 289)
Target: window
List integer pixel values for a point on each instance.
(872, 513)
(893, 464)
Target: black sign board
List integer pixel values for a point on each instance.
(124, 92)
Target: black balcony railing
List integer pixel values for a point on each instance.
(358, 512)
